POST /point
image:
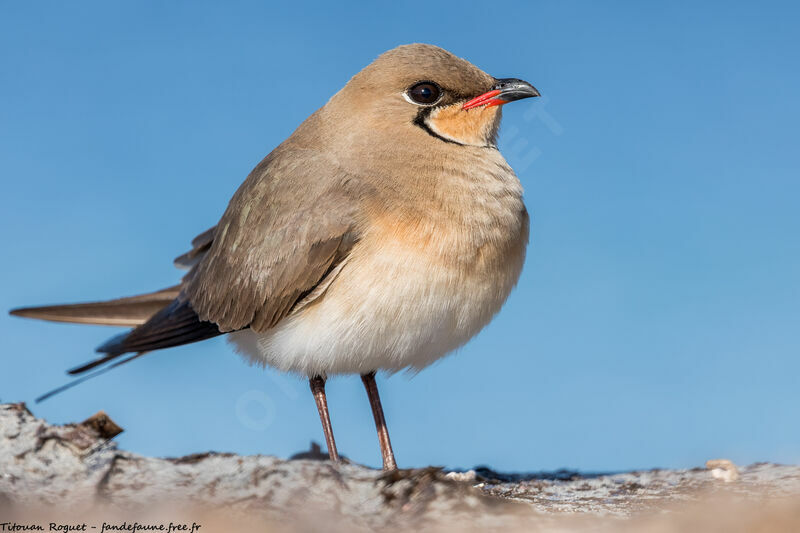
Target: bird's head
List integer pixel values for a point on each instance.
(430, 91)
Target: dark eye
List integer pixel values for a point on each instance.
(424, 92)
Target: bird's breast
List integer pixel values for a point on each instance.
(426, 275)
(467, 215)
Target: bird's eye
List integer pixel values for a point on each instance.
(424, 93)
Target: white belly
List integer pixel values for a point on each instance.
(390, 309)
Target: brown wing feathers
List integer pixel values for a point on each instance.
(283, 236)
(290, 222)
(200, 246)
(175, 325)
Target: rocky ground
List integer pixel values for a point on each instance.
(75, 474)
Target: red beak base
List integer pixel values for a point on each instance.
(486, 99)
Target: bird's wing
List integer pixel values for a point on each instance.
(174, 325)
(292, 222)
(285, 236)
(200, 246)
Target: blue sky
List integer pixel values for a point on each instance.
(656, 320)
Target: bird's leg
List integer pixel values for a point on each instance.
(317, 384)
(380, 422)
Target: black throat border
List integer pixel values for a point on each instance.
(419, 120)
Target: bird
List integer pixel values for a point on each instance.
(381, 235)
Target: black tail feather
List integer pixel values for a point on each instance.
(174, 325)
(91, 364)
(87, 377)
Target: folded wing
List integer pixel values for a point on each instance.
(290, 224)
(284, 237)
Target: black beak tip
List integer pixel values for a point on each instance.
(515, 89)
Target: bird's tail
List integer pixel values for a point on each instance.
(160, 320)
(130, 311)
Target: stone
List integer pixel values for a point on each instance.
(77, 472)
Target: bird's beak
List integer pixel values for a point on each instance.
(505, 90)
